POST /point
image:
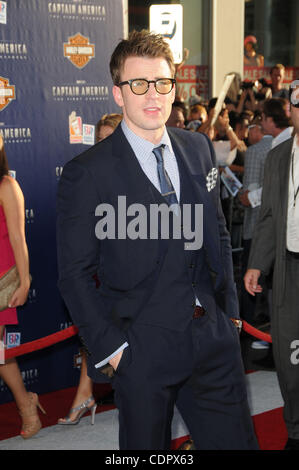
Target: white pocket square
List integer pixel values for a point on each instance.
(212, 179)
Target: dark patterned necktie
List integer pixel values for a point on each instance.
(167, 189)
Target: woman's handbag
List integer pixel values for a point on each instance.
(9, 283)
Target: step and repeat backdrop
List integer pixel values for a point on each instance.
(54, 87)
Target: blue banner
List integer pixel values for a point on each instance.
(54, 87)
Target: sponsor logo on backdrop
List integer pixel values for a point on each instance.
(58, 171)
(13, 339)
(29, 216)
(88, 134)
(81, 91)
(7, 93)
(78, 50)
(12, 50)
(65, 325)
(29, 376)
(75, 128)
(3, 12)
(77, 10)
(16, 135)
(77, 360)
(80, 133)
(32, 295)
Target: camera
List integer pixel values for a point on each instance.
(247, 85)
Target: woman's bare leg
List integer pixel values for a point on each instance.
(84, 390)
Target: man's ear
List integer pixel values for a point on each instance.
(117, 95)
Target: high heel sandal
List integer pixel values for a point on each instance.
(81, 409)
(31, 422)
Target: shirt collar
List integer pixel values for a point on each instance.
(282, 136)
(143, 148)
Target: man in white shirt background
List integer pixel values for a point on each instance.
(275, 124)
(276, 245)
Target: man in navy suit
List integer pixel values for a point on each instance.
(166, 314)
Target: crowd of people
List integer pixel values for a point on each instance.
(255, 118)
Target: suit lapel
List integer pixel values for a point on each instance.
(197, 175)
(284, 172)
(133, 182)
(183, 157)
(132, 179)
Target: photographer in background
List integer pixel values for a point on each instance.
(247, 99)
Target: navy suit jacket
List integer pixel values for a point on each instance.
(127, 268)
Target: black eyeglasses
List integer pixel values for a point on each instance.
(140, 86)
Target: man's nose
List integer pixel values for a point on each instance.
(152, 90)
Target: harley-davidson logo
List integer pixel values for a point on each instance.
(78, 50)
(7, 93)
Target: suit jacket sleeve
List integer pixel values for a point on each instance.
(228, 289)
(262, 253)
(79, 254)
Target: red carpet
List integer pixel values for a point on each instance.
(269, 426)
(56, 404)
(270, 430)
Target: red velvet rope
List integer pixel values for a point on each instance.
(41, 342)
(54, 338)
(257, 333)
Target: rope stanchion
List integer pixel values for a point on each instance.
(256, 333)
(41, 343)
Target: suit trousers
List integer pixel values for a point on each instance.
(285, 337)
(199, 370)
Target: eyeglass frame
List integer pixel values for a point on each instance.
(129, 82)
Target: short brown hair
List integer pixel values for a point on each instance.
(276, 109)
(111, 120)
(196, 108)
(3, 159)
(140, 44)
(278, 67)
